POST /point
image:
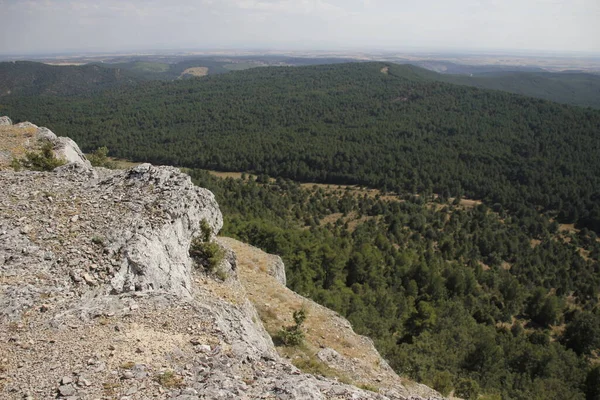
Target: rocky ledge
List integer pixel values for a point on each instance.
(100, 299)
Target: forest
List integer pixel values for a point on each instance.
(473, 261)
(384, 126)
(576, 88)
(454, 293)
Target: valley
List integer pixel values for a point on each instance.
(457, 228)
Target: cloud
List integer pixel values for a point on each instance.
(55, 25)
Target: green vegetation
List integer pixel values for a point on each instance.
(169, 380)
(99, 158)
(350, 123)
(242, 66)
(206, 254)
(467, 389)
(575, 88)
(493, 297)
(25, 78)
(293, 335)
(44, 160)
(458, 297)
(145, 66)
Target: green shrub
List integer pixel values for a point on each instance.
(467, 389)
(99, 158)
(206, 254)
(294, 335)
(442, 382)
(206, 230)
(169, 380)
(44, 160)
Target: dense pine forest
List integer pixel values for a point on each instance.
(384, 126)
(26, 78)
(475, 266)
(455, 294)
(574, 88)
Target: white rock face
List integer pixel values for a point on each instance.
(64, 147)
(156, 254)
(5, 121)
(277, 270)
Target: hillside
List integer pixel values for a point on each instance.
(573, 88)
(386, 126)
(453, 293)
(33, 79)
(103, 294)
(29, 78)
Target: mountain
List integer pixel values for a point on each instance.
(105, 292)
(32, 79)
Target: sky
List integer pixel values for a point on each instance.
(55, 26)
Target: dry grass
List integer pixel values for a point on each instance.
(15, 143)
(195, 71)
(224, 175)
(323, 328)
(567, 228)
(127, 365)
(123, 164)
(169, 379)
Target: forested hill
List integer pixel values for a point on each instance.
(386, 126)
(574, 88)
(32, 78)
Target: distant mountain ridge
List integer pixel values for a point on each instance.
(575, 88)
(28, 78)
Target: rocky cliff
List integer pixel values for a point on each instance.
(100, 298)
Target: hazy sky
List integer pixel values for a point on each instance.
(30, 26)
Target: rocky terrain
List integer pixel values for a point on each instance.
(100, 299)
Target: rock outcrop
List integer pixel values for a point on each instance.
(99, 298)
(26, 136)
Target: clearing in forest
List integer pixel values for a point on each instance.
(195, 71)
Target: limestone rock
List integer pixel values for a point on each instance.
(28, 137)
(277, 270)
(24, 125)
(156, 256)
(68, 150)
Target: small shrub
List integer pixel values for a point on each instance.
(99, 158)
(99, 240)
(110, 388)
(16, 165)
(221, 274)
(169, 379)
(206, 230)
(368, 387)
(206, 254)
(45, 160)
(467, 389)
(128, 365)
(294, 335)
(442, 382)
